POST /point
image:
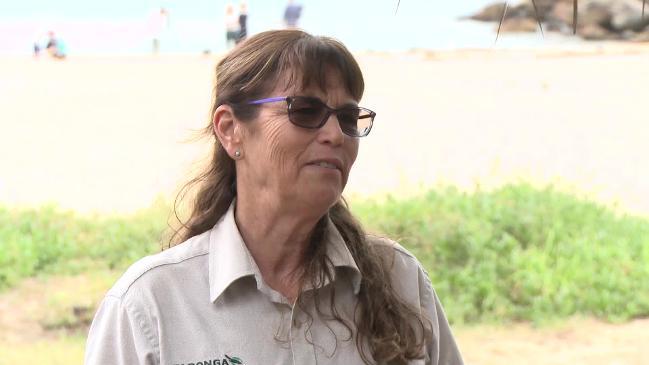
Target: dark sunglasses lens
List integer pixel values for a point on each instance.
(306, 112)
(355, 122)
(348, 119)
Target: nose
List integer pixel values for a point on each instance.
(331, 133)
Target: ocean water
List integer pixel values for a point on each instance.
(122, 26)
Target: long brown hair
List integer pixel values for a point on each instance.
(384, 324)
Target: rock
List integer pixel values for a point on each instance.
(594, 32)
(519, 25)
(616, 16)
(641, 37)
(553, 25)
(491, 13)
(598, 19)
(543, 8)
(562, 12)
(626, 15)
(594, 13)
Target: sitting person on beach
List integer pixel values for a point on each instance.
(50, 43)
(272, 267)
(54, 47)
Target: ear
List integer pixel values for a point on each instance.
(226, 127)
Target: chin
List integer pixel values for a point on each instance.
(323, 199)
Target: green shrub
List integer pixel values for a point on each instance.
(516, 253)
(521, 253)
(49, 240)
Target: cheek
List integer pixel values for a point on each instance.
(352, 151)
(278, 149)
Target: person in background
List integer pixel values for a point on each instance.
(271, 266)
(231, 26)
(158, 23)
(292, 14)
(38, 44)
(55, 47)
(243, 22)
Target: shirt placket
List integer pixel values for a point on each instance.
(300, 338)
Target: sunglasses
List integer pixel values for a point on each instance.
(312, 113)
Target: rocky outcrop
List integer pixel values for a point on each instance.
(598, 19)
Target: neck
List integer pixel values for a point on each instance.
(277, 238)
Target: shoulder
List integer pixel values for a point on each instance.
(412, 284)
(148, 270)
(408, 275)
(398, 258)
(387, 247)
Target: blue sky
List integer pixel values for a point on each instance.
(201, 9)
(110, 25)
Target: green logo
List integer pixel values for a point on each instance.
(226, 361)
(234, 360)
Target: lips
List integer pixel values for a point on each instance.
(329, 163)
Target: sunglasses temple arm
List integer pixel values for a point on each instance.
(267, 100)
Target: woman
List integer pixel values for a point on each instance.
(273, 267)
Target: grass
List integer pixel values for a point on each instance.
(516, 253)
(70, 306)
(50, 241)
(61, 351)
(45, 320)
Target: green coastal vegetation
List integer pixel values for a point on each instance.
(517, 253)
(521, 253)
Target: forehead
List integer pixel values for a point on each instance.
(295, 83)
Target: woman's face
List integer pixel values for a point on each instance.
(299, 168)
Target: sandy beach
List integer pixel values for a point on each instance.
(111, 133)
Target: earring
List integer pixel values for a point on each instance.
(237, 154)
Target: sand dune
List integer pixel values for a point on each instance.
(107, 133)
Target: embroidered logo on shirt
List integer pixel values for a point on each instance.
(233, 360)
(225, 361)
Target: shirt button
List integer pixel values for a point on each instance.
(296, 323)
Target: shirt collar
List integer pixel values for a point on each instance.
(230, 260)
(340, 256)
(229, 257)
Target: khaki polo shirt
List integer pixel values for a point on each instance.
(204, 302)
